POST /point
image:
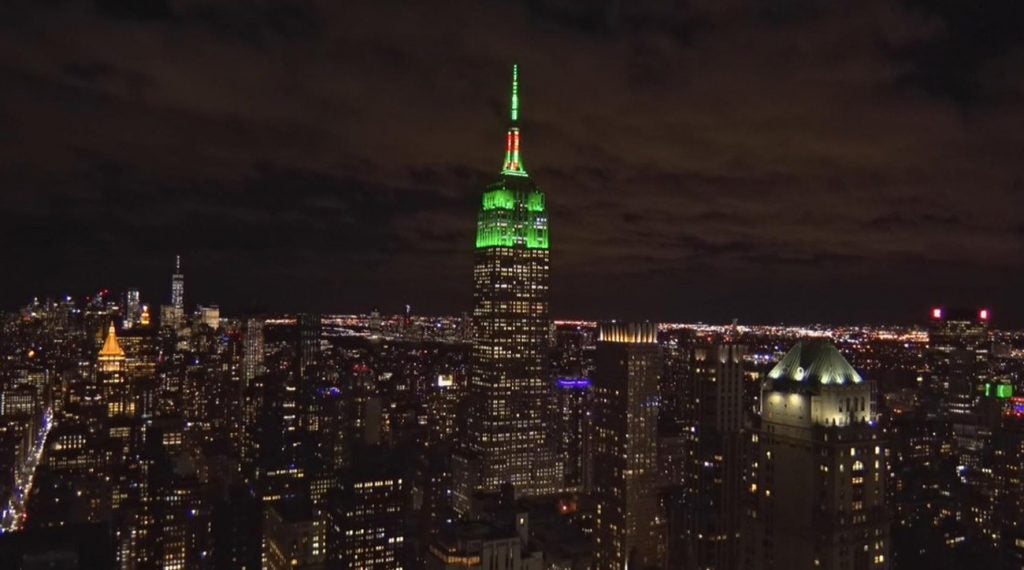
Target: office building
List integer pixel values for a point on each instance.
(310, 329)
(253, 352)
(625, 430)
(367, 514)
(817, 492)
(111, 375)
(509, 389)
(959, 350)
(178, 286)
(712, 506)
(575, 399)
(1008, 468)
(132, 308)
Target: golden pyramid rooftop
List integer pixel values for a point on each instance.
(111, 348)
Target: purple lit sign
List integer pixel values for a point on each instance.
(574, 383)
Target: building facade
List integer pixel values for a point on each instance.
(959, 350)
(367, 515)
(253, 351)
(625, 452)
(178, 286)
(817, 493)
(111, 375)
(712, 506)
(507, 439)
(575, 396)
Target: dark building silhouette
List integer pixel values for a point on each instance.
(625, 427)
(712, 504)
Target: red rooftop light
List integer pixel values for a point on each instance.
(937, 313)
(983, 314)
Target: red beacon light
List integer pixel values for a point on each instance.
(983, 314)
(937, 313)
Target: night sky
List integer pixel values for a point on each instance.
(774, 160)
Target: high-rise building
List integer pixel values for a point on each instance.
(677, 436)
(508, 439)
(959, 374)
(277, 459)
(958, 359)
(178, 286)
(172, 316)
(310, 329)
(712, 507)
(111, 374)
(164, 508)
(132, 308)
(252, 356)
(625, 431)
(367, 512)
(817, 493)
(575, 397)
(442, 401)
(1008, 465)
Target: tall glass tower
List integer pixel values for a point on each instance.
(178, 286)
(507, 436)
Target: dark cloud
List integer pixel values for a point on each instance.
(798, 160)
(134, 9)
(954, 62)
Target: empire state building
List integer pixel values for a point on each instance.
(509, 388)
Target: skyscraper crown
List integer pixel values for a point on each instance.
(513, 210)
(817, 362)
(628, 333)
(111, 348)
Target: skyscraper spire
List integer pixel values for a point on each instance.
(513, 163)
(177, 264)
(515, 93)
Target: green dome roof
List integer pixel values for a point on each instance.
(818, 362)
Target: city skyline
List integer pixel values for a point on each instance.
(705, 159)
(743, 292)
(135, 300)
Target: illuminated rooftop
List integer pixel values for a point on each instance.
(628, 333)
(112, 348)
(817, 362)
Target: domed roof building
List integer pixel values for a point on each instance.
(815, 362)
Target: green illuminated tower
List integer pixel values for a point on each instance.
(507, 436)
(513, 214)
